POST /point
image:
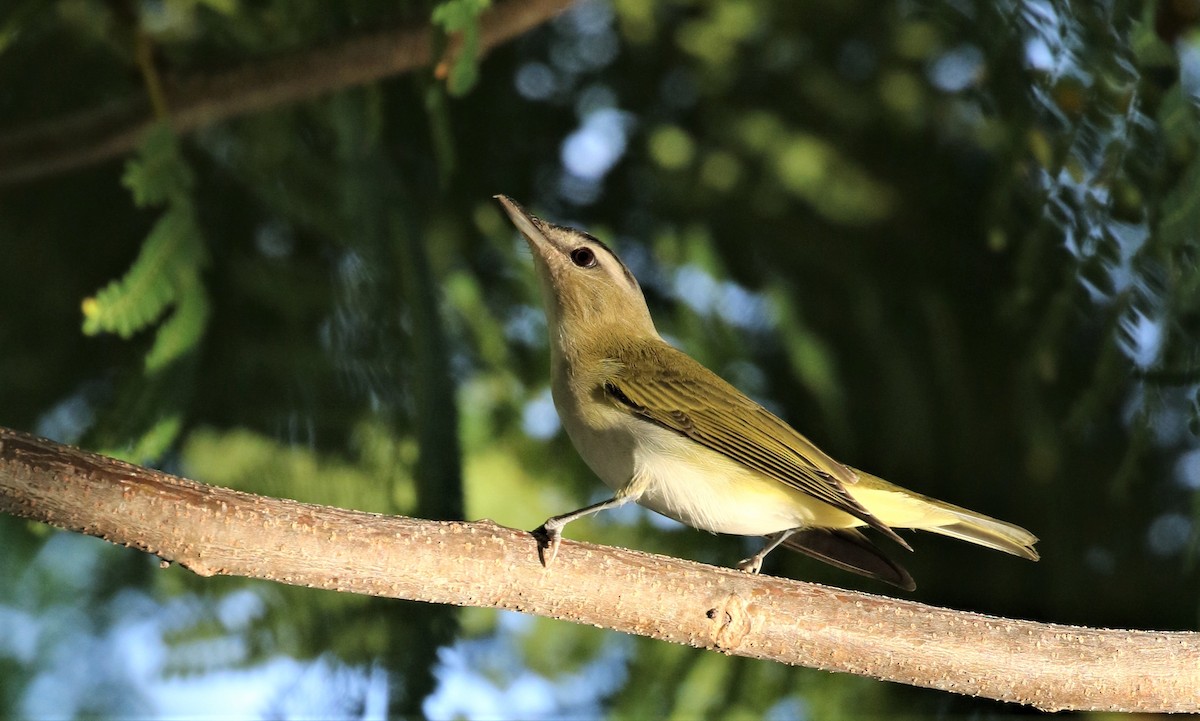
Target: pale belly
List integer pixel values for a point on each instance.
(722, 496)
(680, 479)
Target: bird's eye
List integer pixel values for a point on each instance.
(583, 257)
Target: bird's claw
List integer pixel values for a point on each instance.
(751, 565)
(548, 540)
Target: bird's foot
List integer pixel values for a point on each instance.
(548, 537)
(752, 564)
(755, 562)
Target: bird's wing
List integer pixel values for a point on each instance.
(713, 413)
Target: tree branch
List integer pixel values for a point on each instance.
(95, 134)
(220, 531)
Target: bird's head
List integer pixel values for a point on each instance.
(586, 288)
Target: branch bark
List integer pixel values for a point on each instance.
(220, 531)
(96, 134)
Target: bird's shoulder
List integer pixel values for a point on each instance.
(658, 378)
(653, 361)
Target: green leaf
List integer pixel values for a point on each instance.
(167, 268)
(159, 173)
(458, 15)
(462, 16)
(182, 331)
(174, 249)
(155, 441)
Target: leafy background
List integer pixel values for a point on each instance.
(955, 243)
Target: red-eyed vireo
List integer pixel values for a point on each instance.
(664, 431)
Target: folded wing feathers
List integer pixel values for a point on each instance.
(751, 435)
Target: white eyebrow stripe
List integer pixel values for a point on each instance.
(624, 269)
(629, 279)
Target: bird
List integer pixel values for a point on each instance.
(662, 430)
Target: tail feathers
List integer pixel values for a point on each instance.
(850, 550)
(986, 531)
(902, 508)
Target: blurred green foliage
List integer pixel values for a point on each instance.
(167, 269)
(956, 244)
(462, 17)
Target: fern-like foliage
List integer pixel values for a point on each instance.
(181, 332)
(148, 408)
(167, 270)
(159, 175)
(460, 19)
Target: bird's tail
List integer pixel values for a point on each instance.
(987, 531)
(901, 508)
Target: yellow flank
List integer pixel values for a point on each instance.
(897, 509)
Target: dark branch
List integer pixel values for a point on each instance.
(96, 134)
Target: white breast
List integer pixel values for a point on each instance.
(709, 491)
(682, 479)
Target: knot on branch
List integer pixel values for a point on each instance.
(731, 622)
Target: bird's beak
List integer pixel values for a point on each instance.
(530, 225)
(533, 228)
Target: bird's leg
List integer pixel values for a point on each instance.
(754, 563)
(549, 535)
